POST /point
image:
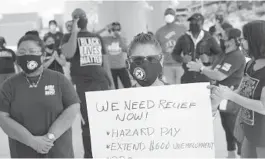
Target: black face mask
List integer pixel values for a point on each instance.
(195, 28)
(29, 63)
(146, 73)
(82, 23)
(51, 46)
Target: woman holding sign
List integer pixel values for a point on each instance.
(145, 63)
(251, 92)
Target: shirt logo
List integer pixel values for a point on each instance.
(139, 73)
(90, 51)
(32, 65)
(114, 48)
(5, 54)
(49, 90)
(170, 34)
(226, 67)
(170, 46)
(247, 89)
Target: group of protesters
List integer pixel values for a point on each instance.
(38, 103)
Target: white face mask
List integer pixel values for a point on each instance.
(169, 18)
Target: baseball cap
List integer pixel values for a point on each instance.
(78, 12)
(226, 26)
(196, 16)
(233, 33)
(170, 11)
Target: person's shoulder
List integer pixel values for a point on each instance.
(207, 34)
(59, 33)
(161, 29)
(239, 55)
(13, 80)
(7, 50)
(180, 26)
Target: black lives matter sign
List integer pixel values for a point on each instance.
(90, 49)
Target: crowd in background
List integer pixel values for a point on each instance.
(173, 54)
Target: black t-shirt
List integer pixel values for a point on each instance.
(58, 36)
(37, 109)
(231, 64)
(251, 87)
(87, 63)
(7, 59)
(55, 66)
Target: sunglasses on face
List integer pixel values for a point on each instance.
(140, 59)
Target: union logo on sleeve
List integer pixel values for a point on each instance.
(247, 89)
(90, 51)
(226, 67)
(49, 90)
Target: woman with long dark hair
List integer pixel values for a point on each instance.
(251, 93)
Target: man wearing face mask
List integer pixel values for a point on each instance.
(167, 37)
(195, 44)
(57, 35)
(116, 48)
(227, 71)
(89, 66)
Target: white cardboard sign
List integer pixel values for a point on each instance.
(152, 122)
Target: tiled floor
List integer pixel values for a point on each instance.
(220, 144)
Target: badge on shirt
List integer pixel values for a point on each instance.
(90, 51)
(114, 48)
(247, 89)
(49, 90)
(226, 67)
(5, 54)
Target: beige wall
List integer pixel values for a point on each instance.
(132, 15)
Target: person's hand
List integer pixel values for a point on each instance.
(55, 55)
(195, 66)
(75, 27)
(41, 144)
(222, 92)
(204, 58)
(187, 58)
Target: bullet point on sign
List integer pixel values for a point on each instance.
(108, 133)
(107, 146)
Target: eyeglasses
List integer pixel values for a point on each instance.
(140, 59)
